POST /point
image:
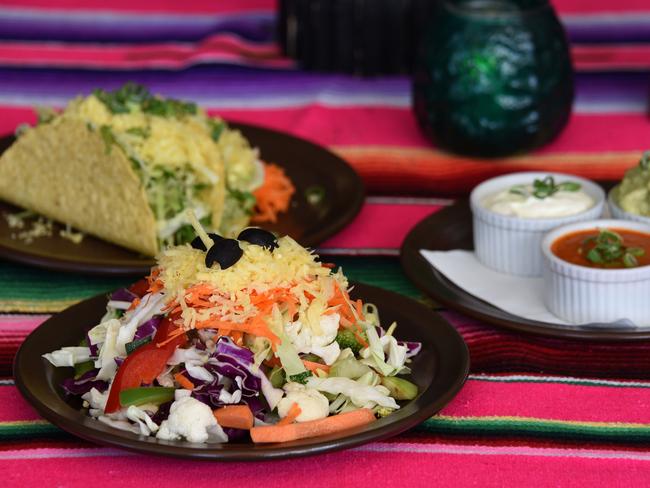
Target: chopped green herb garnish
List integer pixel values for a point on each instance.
(607, 249)
(216, 128)
(545, 188)
(245, 198)
(143, 132)
(132, 94)
(645, 160)
(45, 115)
(315, 194)
(300, 377)
(168, 107)
(108, 137)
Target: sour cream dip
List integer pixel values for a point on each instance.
(523, 203)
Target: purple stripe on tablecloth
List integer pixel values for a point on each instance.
(608, 28)
(199, 83)
(256, 26)
(228, 86)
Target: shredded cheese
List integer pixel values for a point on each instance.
(290, 268)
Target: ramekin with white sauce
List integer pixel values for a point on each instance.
(510, 216)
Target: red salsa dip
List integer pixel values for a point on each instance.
(604, 248)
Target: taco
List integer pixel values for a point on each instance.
(127, 165)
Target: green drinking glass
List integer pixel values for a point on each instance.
(494, 77)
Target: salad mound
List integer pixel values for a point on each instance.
(228, 339)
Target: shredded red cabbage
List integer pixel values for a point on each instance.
(148, 328)
(123, 295)
(84, 384)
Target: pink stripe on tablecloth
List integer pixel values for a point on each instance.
(223, 6)
(552, 401)
(219, 48)
(159, 6)
(396, 127)
(380, 226)
(450, 465)
(13, 407)
(599, 6)
(20, 323)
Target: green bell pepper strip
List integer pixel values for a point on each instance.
(146, 394)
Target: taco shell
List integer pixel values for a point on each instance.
(65, 171)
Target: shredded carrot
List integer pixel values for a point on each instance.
(235, 417)
(134, 304)
(172, 335)
(312, 428)
(183, 381)
(292, 415)
(312, 366)
(273, 196)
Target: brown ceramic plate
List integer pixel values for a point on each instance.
(306, 164)
(439, 371)
(451, 228)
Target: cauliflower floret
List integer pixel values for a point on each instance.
(313, 404)
(192, 420)
(323, 345)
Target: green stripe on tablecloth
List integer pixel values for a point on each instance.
(27, 289)
(462, 426)
(537, 428)
(29, 429)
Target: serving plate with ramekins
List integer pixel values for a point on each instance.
(452, 228)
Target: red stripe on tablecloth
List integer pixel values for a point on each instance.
(159, 6)
(494, 349)
(605, 57)
(219, 48)
(227, 48)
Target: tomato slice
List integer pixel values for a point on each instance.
(144, 364)
(140, 287)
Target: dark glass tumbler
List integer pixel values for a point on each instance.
(494, 77)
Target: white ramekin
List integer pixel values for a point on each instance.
(618, 213)
(511, 244)
(583, 295)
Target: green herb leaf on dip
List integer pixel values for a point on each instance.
(545, 188)
(607, 249)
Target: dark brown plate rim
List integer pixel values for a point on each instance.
(454, 224)
(345, 204)
(444, 352)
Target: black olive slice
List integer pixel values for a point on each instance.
(197, 243)
(259, 237)
(226, 252)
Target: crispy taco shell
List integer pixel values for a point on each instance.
(65, 171)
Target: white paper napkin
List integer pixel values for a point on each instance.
(518, 296)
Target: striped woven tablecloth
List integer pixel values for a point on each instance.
(534, 411)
